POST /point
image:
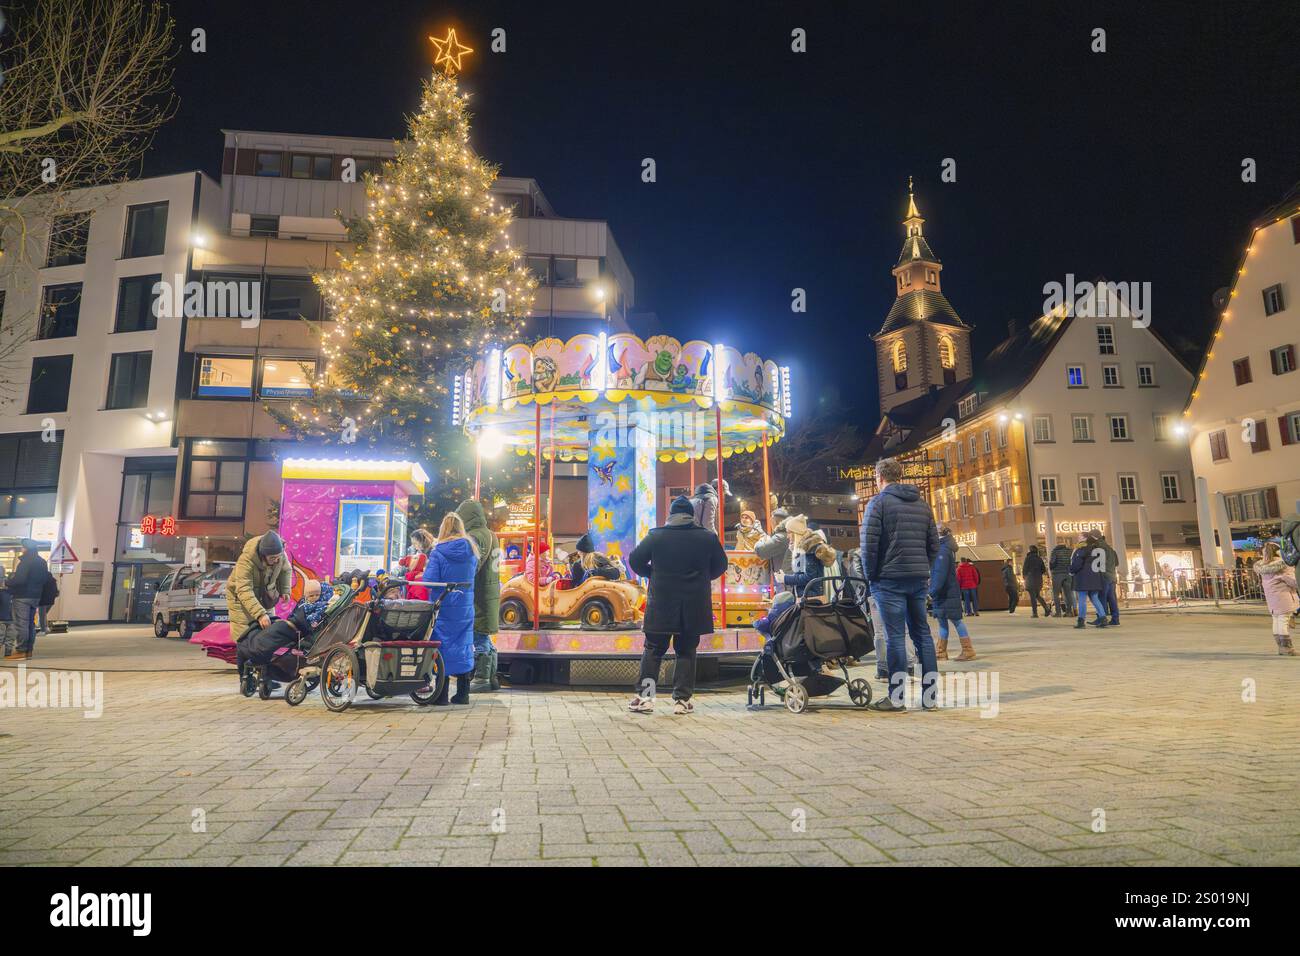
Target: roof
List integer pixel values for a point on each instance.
(921, 305)
(915, 249)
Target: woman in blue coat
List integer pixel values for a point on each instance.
(454, 560)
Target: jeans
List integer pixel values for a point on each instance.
(482, 643)
(970, 600)
(959, 624)
(25, 618)
(878, 630)
(44, 613)
(652, 656)
(1062, 590)
(1035, 591)
(1112, 601)
(1013, 599)
(902, 607)
(1097, 602)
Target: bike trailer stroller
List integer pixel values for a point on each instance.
(809, 635)
(258, 672)
(383, 645)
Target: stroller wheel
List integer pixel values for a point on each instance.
(338, 684)
(796, 698)
(762, 697)
(296, 692)
(860, 691)
(263, 685)
(437, 681)
(749, 697)
(247, 681)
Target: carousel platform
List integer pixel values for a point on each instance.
(575, 656)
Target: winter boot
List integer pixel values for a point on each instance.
(462, 688)
(1285, 648)
(967, 650)
(940, 650)
(485, 670)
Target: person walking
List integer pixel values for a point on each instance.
(680, 560)
(1088, 567)
(26, 586)
(260, 578)
(1280, 592)
(899, 543)
(1062, 589)
(1010, 585)
(8, 627)
(946, 599)
(1109, 594)
(487, 591)
(1033, 570)
(454, 560)
(968, 580)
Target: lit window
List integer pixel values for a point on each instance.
(224, 377)
(900, 356)
(1074, 376)
(947, 352)
(287, 378)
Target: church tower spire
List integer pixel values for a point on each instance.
(917, 267)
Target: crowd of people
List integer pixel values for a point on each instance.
(26, 597)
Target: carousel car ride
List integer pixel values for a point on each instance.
(595, 603)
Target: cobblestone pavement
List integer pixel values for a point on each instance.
(1145, 724)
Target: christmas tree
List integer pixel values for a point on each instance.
(432, 281)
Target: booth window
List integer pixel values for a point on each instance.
(224, 377)
(29, 474)
(363, 535)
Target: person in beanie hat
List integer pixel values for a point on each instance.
(774, 548)
(679, 560)
(594, 564)
(260, 577)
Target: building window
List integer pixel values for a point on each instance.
(1219, 445)
(1074, 376)
(931, 277)
(566, 271)
(1160, 426)
(1254, 505)
(960, 459)
(268, 164)
(988, 442)
(291, 297)
(1119, 428)
(899, 355)
(1087, 489)
(60, 311)
(1241, 371)
(310, 167)
(1146, 376)
(29, 474)
(1273, 301)
(967, 405)
(146, 230)
(1295, 229)
(1110, 376)
(1128, 488)
(1289, 426)
(51, 379)
(69, 236)
(540, 267)
(128, 380)
(1002, 434)
(1082, 427)
(224, 377)
(948, 359)
(135, 304)
(267, 226)
(287, 377)
(1261, 437)
(1047, 490)
(1042, 428)
(1282, 359)
(974, 447)
(216, 479)
(1169, 490)
(1106, 339)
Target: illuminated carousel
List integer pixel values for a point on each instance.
(623, 405)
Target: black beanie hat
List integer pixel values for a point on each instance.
(270, 543)
(585, 544)
(682, 506)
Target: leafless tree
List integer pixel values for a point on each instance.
(85, 84)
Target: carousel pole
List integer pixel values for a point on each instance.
(722, 508)
(478, 468)
(767, 491)
(550, 479)
(537, 515)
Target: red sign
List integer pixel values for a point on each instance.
(167, 526)
(148, 525)
(158, 524)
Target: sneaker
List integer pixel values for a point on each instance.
(1099, 622)
(641, 705)
(1079, 625)
(1114, 623)
(887, 706)
(682, 708)
(19, 656)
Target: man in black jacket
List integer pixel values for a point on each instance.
(1062, 587)
(899, 544)
(26, 586)
(680, 560)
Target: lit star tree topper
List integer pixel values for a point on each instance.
(430, 282)
(450, 51)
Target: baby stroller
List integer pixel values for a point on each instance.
(382, 645)
(258, 676)
(808, 635)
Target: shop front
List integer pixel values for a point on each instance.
(147, 545)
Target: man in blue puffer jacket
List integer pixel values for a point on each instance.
(899, 544)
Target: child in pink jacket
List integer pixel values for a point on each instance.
(1280, 593)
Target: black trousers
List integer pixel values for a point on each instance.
(1013, 598)
(1035, 592)
(656, 645)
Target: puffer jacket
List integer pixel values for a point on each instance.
(253, 587)
(487, 582)
(898, 535)
(1279, 586)
(968, 576)
(945, 595)
(454, 562)
(1081, 566)
(774, 548)
(1059, 563)
(705, 502)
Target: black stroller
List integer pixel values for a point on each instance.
(263, 661)
(808, 635)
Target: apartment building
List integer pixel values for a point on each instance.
(1243, 414)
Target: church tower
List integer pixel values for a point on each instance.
(923, 344)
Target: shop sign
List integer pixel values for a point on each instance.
(154, 524)
(967, 539)
(1074, 527)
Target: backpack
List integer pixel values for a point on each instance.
(1291, 541)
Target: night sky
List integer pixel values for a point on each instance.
(778, 170)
